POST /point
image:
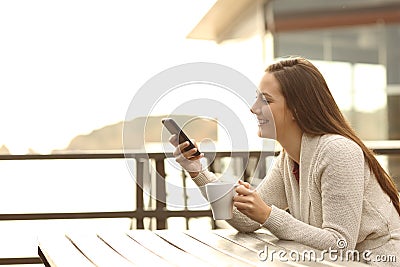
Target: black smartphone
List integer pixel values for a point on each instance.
(174, 128)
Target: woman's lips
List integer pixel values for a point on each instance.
(262, 122)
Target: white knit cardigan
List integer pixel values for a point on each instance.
(337, 198)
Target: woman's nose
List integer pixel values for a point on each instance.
(254, 108)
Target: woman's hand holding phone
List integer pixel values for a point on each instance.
(186, 159)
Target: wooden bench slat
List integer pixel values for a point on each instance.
(60, 252)
(167, 251)
(267, 237)
(97, 251)
(132, 250)
(243, 239)
(225, 246)
(198, 249)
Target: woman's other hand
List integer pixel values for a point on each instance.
(248, 202)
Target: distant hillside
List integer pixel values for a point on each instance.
(140, 130)
(4, 150)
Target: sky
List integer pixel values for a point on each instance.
(69, 67)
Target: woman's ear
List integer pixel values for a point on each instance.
(292, 114)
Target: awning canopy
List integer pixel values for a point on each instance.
(230, 19)
(222, 19)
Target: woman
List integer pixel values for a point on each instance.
(337, 194)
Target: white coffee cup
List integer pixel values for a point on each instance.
(220, 195)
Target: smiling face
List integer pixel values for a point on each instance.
(271, 110)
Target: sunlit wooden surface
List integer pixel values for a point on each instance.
(223, 247)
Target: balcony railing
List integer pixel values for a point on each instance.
(160, 211)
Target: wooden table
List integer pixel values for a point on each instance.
(191, 248)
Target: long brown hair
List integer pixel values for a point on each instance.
(316, 112)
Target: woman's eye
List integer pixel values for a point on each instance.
(265, 100)
(261, 97)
